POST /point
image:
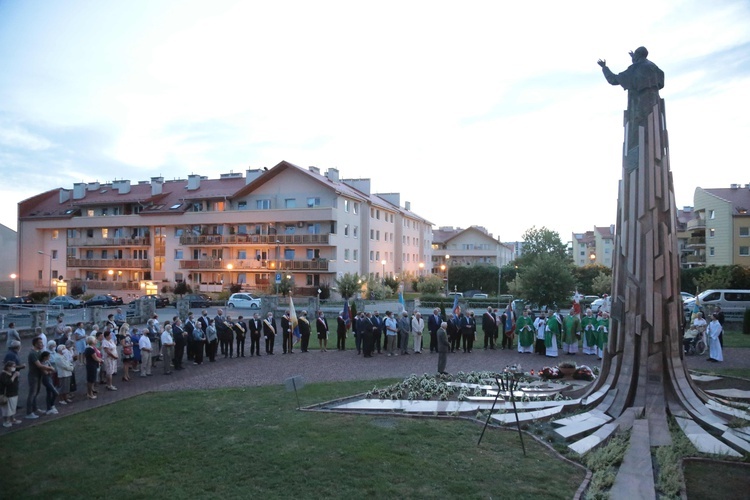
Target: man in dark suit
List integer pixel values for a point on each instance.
(442, 347)
(304, 331)
(367, 335)
(489, 326)
(321, 325)
(341, 329)
(359, 330)
(454, 331)
(269, 332)
(178, 334)
(223, 331)
(377, 331)
(240, 331)
(189, 328)
(286, 333)
(255, 326)
(433, 324)
(202, 323)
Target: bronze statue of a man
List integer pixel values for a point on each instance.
(642, 80)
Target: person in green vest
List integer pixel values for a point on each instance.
(602, 334)
(552, 333)
(571, 333)
(525, 330)
(588, 327)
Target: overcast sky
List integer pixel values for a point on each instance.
(479, 113)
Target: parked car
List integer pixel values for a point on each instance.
(16, 301)
(197, 300)
(479, 296)
(66, 302)
(106, 300)
(160, 301)
(243, 300)
(686, 295)
(732, 302)
(603, 302)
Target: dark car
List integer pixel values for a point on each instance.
(160, 301)
(18, 300)
(107, 300)
(198, 300)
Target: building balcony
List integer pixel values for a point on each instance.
(109, 242)
(696, 224)
(255, 265)
(695, 259)
(106, 285)
(255, 239)
(696, 242)
(110, 263)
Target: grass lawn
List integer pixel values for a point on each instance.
(730, 372)
(252, 443)
(703, 478)
(736, 339)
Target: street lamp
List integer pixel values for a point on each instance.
(229, 271)
(442, 270)
(50, 272)
(13, 277)
(278, 249)
(421, 268)
(592, 257)
(447, 288)
(383, 262)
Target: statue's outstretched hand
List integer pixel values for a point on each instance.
(602, 62)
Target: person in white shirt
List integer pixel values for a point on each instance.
(167, 348)
(145, 345)
(417, 327)
(714, 345)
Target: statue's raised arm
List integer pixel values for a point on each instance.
(643, 80)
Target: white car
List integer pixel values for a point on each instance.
(243, 301)
(603, 304)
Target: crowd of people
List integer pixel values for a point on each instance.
(115, 349)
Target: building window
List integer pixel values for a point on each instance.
(219, 206)
(346, 254)
(712, 214)
(346, 229)
(372, 255)
(90, 212)
(289, 229)
(711, 251)
(104, 211)
(744, 232)
(104, 255)
(346, 206)
(377, 255)
(263, 204)
(55, 234)
(290, 203)
(178, 254)
(313, 228)
(242, 254)
(745, 251)
(54, 254)
(355, 208)
(377, 235)
(711, 233)
(241, 205)
(289, 254)
(355, 231)
(313, 202)
(372, 234)
(356, 255)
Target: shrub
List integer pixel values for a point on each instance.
(41, 297)
(746, 322)
(76, 290)
(325, 291)
(235, 288)
(182, 288)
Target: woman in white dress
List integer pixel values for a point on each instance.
(714, 346)
(109, 351)
(417, 327)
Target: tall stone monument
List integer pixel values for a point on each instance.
(643, 375)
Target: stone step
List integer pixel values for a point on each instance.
(510, 417)
(635, 479)
(702, 440)
(581, 424)
(583, 446)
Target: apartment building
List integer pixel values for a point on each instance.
(594, 247)
(464, 247)
(209, 233)
(720, 226)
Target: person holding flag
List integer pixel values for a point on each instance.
(343, 323)
(509, 326)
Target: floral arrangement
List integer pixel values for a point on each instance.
(550, 373)
(583, 372)
(567, 364)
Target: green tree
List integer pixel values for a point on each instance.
(182, 288)
(542, 241)
(392, 283)
(547, 280)
(430, 285)
(714, 277)
(379, 291)
(584, 277)
(478, 277)
(286, 286)
(349, 284)
(602, 284)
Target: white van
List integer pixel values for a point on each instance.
(732, 302)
